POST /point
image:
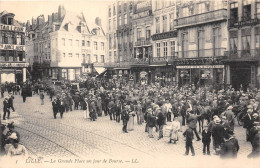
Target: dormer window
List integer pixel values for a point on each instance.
(10, 21)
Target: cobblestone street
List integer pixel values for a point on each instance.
(75, 137)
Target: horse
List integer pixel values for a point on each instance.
(204, 113)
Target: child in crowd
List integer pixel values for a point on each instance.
(206, 140)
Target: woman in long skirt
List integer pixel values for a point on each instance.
(130, 125)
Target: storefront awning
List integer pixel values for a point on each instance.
(199, 66)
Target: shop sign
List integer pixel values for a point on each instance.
(19, 65)
(200, 66)
(142, 14)
(165, 35)
(131, 77)
(12, 28)
(12, 47)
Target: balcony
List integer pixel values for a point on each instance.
(145, 42)
(139, 61)
(244, 55)
(217, 52)
(202, 18)
(163, 60)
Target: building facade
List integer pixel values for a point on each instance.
(142, 23)
(164, 41)
(12, 49)
(202, 42)
(65, 46)
(243, 69)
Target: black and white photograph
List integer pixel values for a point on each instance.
(129, 83)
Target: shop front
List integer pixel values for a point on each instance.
(164, 75)
(67, 73)
(201, 75)
(13, 72)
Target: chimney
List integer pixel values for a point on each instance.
(98, 21)
(49, 19)
(61, 12)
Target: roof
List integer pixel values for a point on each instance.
(15, 22)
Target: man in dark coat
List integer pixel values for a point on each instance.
(151, 121)
(160, 121)
(76, 99)
(6, 108)
(189, 137)
(117, 110)
(248, 122)
(192, 122)
(125, 118)
(11, 101)
(230, 147)
(55, 107)
(218, 135)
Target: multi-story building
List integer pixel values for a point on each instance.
(164, 42)
(142, 23)
(243, 69)
(202, 42)
(112, 39)
(66, 44)
(12, 49)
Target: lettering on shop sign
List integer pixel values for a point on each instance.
(143, 5)
(200, 66)
(164, 35)
(142, 14)
(23, 65)
(12, 47)
(12, 28)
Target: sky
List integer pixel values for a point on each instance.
(25, 10)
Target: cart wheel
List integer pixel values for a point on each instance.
(240, 116)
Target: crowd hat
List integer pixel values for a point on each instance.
(13, 136)
(230, 108)
(217, 121)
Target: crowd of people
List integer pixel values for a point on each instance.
(168, 110)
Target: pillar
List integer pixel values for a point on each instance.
(24, 74)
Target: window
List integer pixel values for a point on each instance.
(70, 42)
(172, 48)
(158, 49)
(157, 22)
(49, 54)
(77, 43)
(165, 49)
(102, 46)
(88, 58)
(246, 10)
(109, 24)
(138, 33)
(110, 41)
(49, 45)
(63, 41)
(119, 20)
(64, 55)
(88, 43)
(70, 54)
(246, 43)
(185, 12)
(102, 58)
(201, 43)
(110, 55)
(148, 33)
(171, 21)
(77, 55)
(201, 8)
(164, 23)
(83, 42)
(114, 40)
(10, 21)
(125, 18)
(114, 10)
(257, 5)
(114, 55)
(18, 40)
(217, 41)
(84, 57)
(109, 12)
(234, 12)
(96, 58)
(233, 44)
(114, 23)
(95, 45)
